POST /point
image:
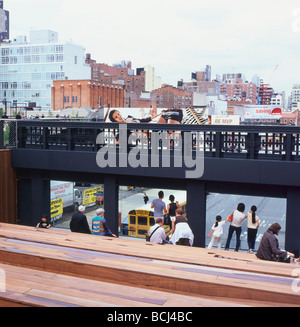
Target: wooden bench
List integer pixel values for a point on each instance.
(173, 269)
(30, 287)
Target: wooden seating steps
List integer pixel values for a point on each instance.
(60, 268)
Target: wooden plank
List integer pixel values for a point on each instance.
(183, 270)
(61, 290)
(212, 258)
(130, 271)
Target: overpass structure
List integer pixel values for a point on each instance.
(245, 160)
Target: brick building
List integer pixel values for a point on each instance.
(118, 74)
(290, 118)
(200, 86)
(86, 93)
(265, 94)
(239, 90)
(169, 96)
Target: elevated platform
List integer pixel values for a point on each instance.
(60, 268)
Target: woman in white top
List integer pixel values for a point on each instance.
(216, 231)
(235, 226)
(253, 224)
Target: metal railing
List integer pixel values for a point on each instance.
(219, 141)
(8, 133)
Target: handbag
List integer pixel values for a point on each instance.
(230, 217)
(149, 236)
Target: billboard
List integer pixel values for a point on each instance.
(192, 116)
(262, 112)
(225, 119)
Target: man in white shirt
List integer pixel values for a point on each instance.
(159, 235)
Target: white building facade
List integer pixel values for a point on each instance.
(27, 69)
(295, 97)
(152, 82)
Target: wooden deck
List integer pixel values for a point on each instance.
(60, 268)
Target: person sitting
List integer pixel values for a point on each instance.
(99, 224)
(43, 222)
(181, 233)
(269, 246)
(79, 223)
(157, 232)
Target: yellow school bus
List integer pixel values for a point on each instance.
(140, 220)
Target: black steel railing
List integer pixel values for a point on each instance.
(219, 141)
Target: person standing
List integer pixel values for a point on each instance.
(78, 223)
(253, 224)
(146, 198)
(99, 224)
(159, 206)
(216, 232)
(171, 208)
(235, 226)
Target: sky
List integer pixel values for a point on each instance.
(257, 37)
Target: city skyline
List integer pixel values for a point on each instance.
(257, 38)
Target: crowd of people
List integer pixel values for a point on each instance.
(181, 233)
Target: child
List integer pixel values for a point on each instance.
(43, 223)
(217, 231)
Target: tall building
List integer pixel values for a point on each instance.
(4, 23)
(278, 99)
(28, 69)
(233, 78)
(152, 82)
(239, 91)
(265, 94)
(201, 82)
(295, 97)
(202, 76)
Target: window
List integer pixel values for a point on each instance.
(5, 52)
(50, 58)
(35, 58)
(13, 60)
(59, 57)
(59, 48)
(26, 85)
(5, 60)
(75, 60)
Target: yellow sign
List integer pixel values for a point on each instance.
(56, 207)
(88, 195)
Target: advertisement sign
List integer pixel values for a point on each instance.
(262, 112)
(56, 209)
(192, 116)
(225, 119)
(90, 195)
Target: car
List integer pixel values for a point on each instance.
(124, 226)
